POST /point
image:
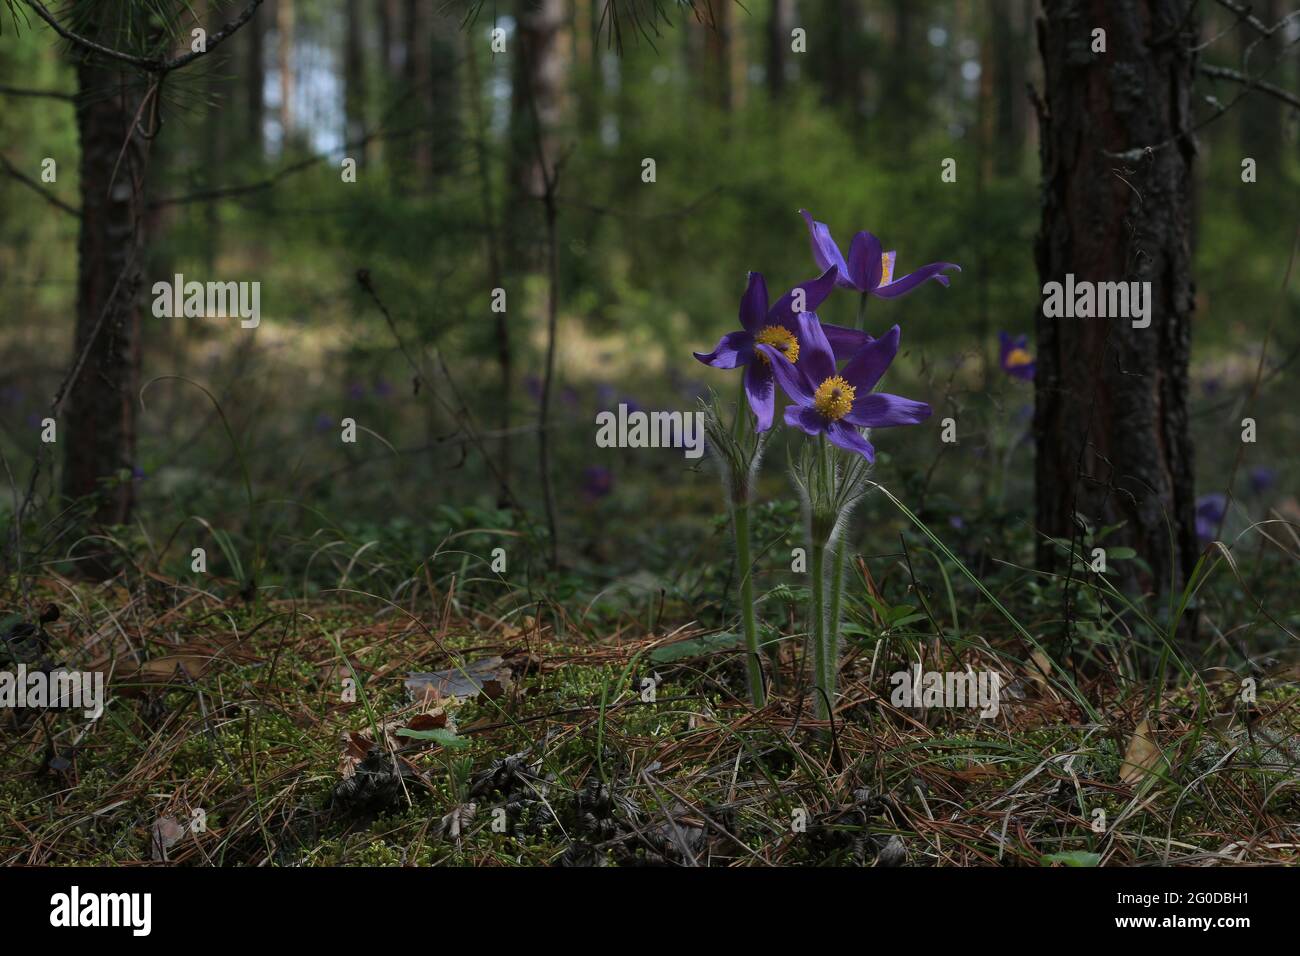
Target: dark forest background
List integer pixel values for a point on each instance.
(474, 167)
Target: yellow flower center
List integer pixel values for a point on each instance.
(781, 339)
(834, 398)
(885, 269)
(1018, 357)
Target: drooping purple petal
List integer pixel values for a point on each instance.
(734, 348)
(803, 417)
(793, 382)
(816, 360)
(864, 261)
(761, 392)
(825, 252)
(815, 292)
(844, 342)
(753, 304)
(850, 439)
(913, 279)
(882, 410)
(870, 362)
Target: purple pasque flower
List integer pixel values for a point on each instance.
(1261, 478)
(1014, 357)
(597, 481)
(1210, 511)
(839, 403)
(780, 330)
(868, 269)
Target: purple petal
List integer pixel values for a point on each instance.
(815, 292)
(808, 419)
(882, 410)
(816, 360)
(844, 342)
(850, 439)
(825, 252)
(761, 393)
(793, 382)
(753, 304)
(913, 279)
(869, 363)
(864, 261)
(734, 348)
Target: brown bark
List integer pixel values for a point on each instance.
(417, 80)
(1111, 422)
(284, 55)
(536, 107)
(98, 430)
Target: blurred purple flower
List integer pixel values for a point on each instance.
(778, 330)
(1014, 357)
(356, 391)
(597, 481)
(1262, 478)
(868, 269)
(1210, 512)
(383, 388)
(533, 386)
(838, 404)
(1211, 386)
(323, 422)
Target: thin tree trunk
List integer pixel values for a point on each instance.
(1111, 422)
(284, 55)
(779, 24)
(1009, 68)
(417, 80)
(536, 106)
(354, 75)
(255, 70)
(99, 427)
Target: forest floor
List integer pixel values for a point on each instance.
(291, 733)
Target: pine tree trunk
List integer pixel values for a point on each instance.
(284, 56)
(1111, 423)
(256, 83)
(98, 431)
(354, 75)
(779, 24)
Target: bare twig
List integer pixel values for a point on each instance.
(156, 65)
(1251, 83)
(37, 188)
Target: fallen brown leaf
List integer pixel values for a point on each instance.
(1141, 755)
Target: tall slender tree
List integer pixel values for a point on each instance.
(1111, 423)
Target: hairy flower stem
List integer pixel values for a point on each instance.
(821, 525)
(737, 425)
(823, 668)
(740, 519)
(861, 323)
(837, 547)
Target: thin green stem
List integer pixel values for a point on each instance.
(741, 520)
(837, 593)
(861, 324)
(823, 670)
